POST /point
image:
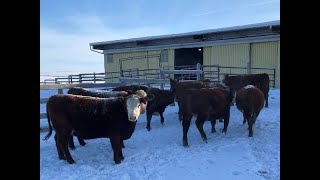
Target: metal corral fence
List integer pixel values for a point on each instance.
(155, 76)
(149, 76)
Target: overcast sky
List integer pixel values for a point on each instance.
(68, 26)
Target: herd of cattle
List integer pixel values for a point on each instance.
(100, 114)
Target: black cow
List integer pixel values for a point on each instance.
(158, 101)
(261, 81)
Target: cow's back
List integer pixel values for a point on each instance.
(132, 88)
(250, 99)
(87, 114)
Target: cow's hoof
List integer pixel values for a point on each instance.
(185, 144)
(205, 140)
(148, 129)
(71, 161)
(117, 162)
(72, 148)
(224, 132)
(62, 158)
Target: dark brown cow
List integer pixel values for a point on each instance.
(92, 117)
(206, 103)
(101, 94)
(261, 81)
(250, 101)
(158, 103)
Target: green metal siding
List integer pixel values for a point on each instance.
(278, 68)
(264, 55)
(144, 63)
(227, 55)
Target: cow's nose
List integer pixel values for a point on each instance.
(133, 118)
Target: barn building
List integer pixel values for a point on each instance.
(246, 49)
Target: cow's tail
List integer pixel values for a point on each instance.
(50, 127)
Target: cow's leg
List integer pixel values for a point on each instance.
(226, 121)
(116, 147)
(250, 124)
(180, 112)
(199, 122)
(186, 124)
(244, 118)
(71, 143)
(233, 91)
(213, 123)
(63, 142)
(161, 117)
(81, 142)
(149, 116)
(180, 115)
(122, 145)
(60, 153)
(266, 99)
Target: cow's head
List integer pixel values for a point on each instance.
(226, 79)
(136, 105)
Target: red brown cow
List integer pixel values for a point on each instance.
(205, 83)
(261, 81)
(92, 117)
(206, 103)
(250, 101)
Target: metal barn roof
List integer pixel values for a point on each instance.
(252, 32)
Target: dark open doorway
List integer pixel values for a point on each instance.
(186, 57)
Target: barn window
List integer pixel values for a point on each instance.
(164, 55)
(110, 58)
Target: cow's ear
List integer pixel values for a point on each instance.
(172, 82)
(145, 100)
(151, 97)
(129, 92)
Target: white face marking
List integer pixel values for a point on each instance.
(249, 86)
(135, 108)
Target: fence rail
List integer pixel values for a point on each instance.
(60, 88)
(147, 76)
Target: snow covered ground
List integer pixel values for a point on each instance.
(159, 154)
